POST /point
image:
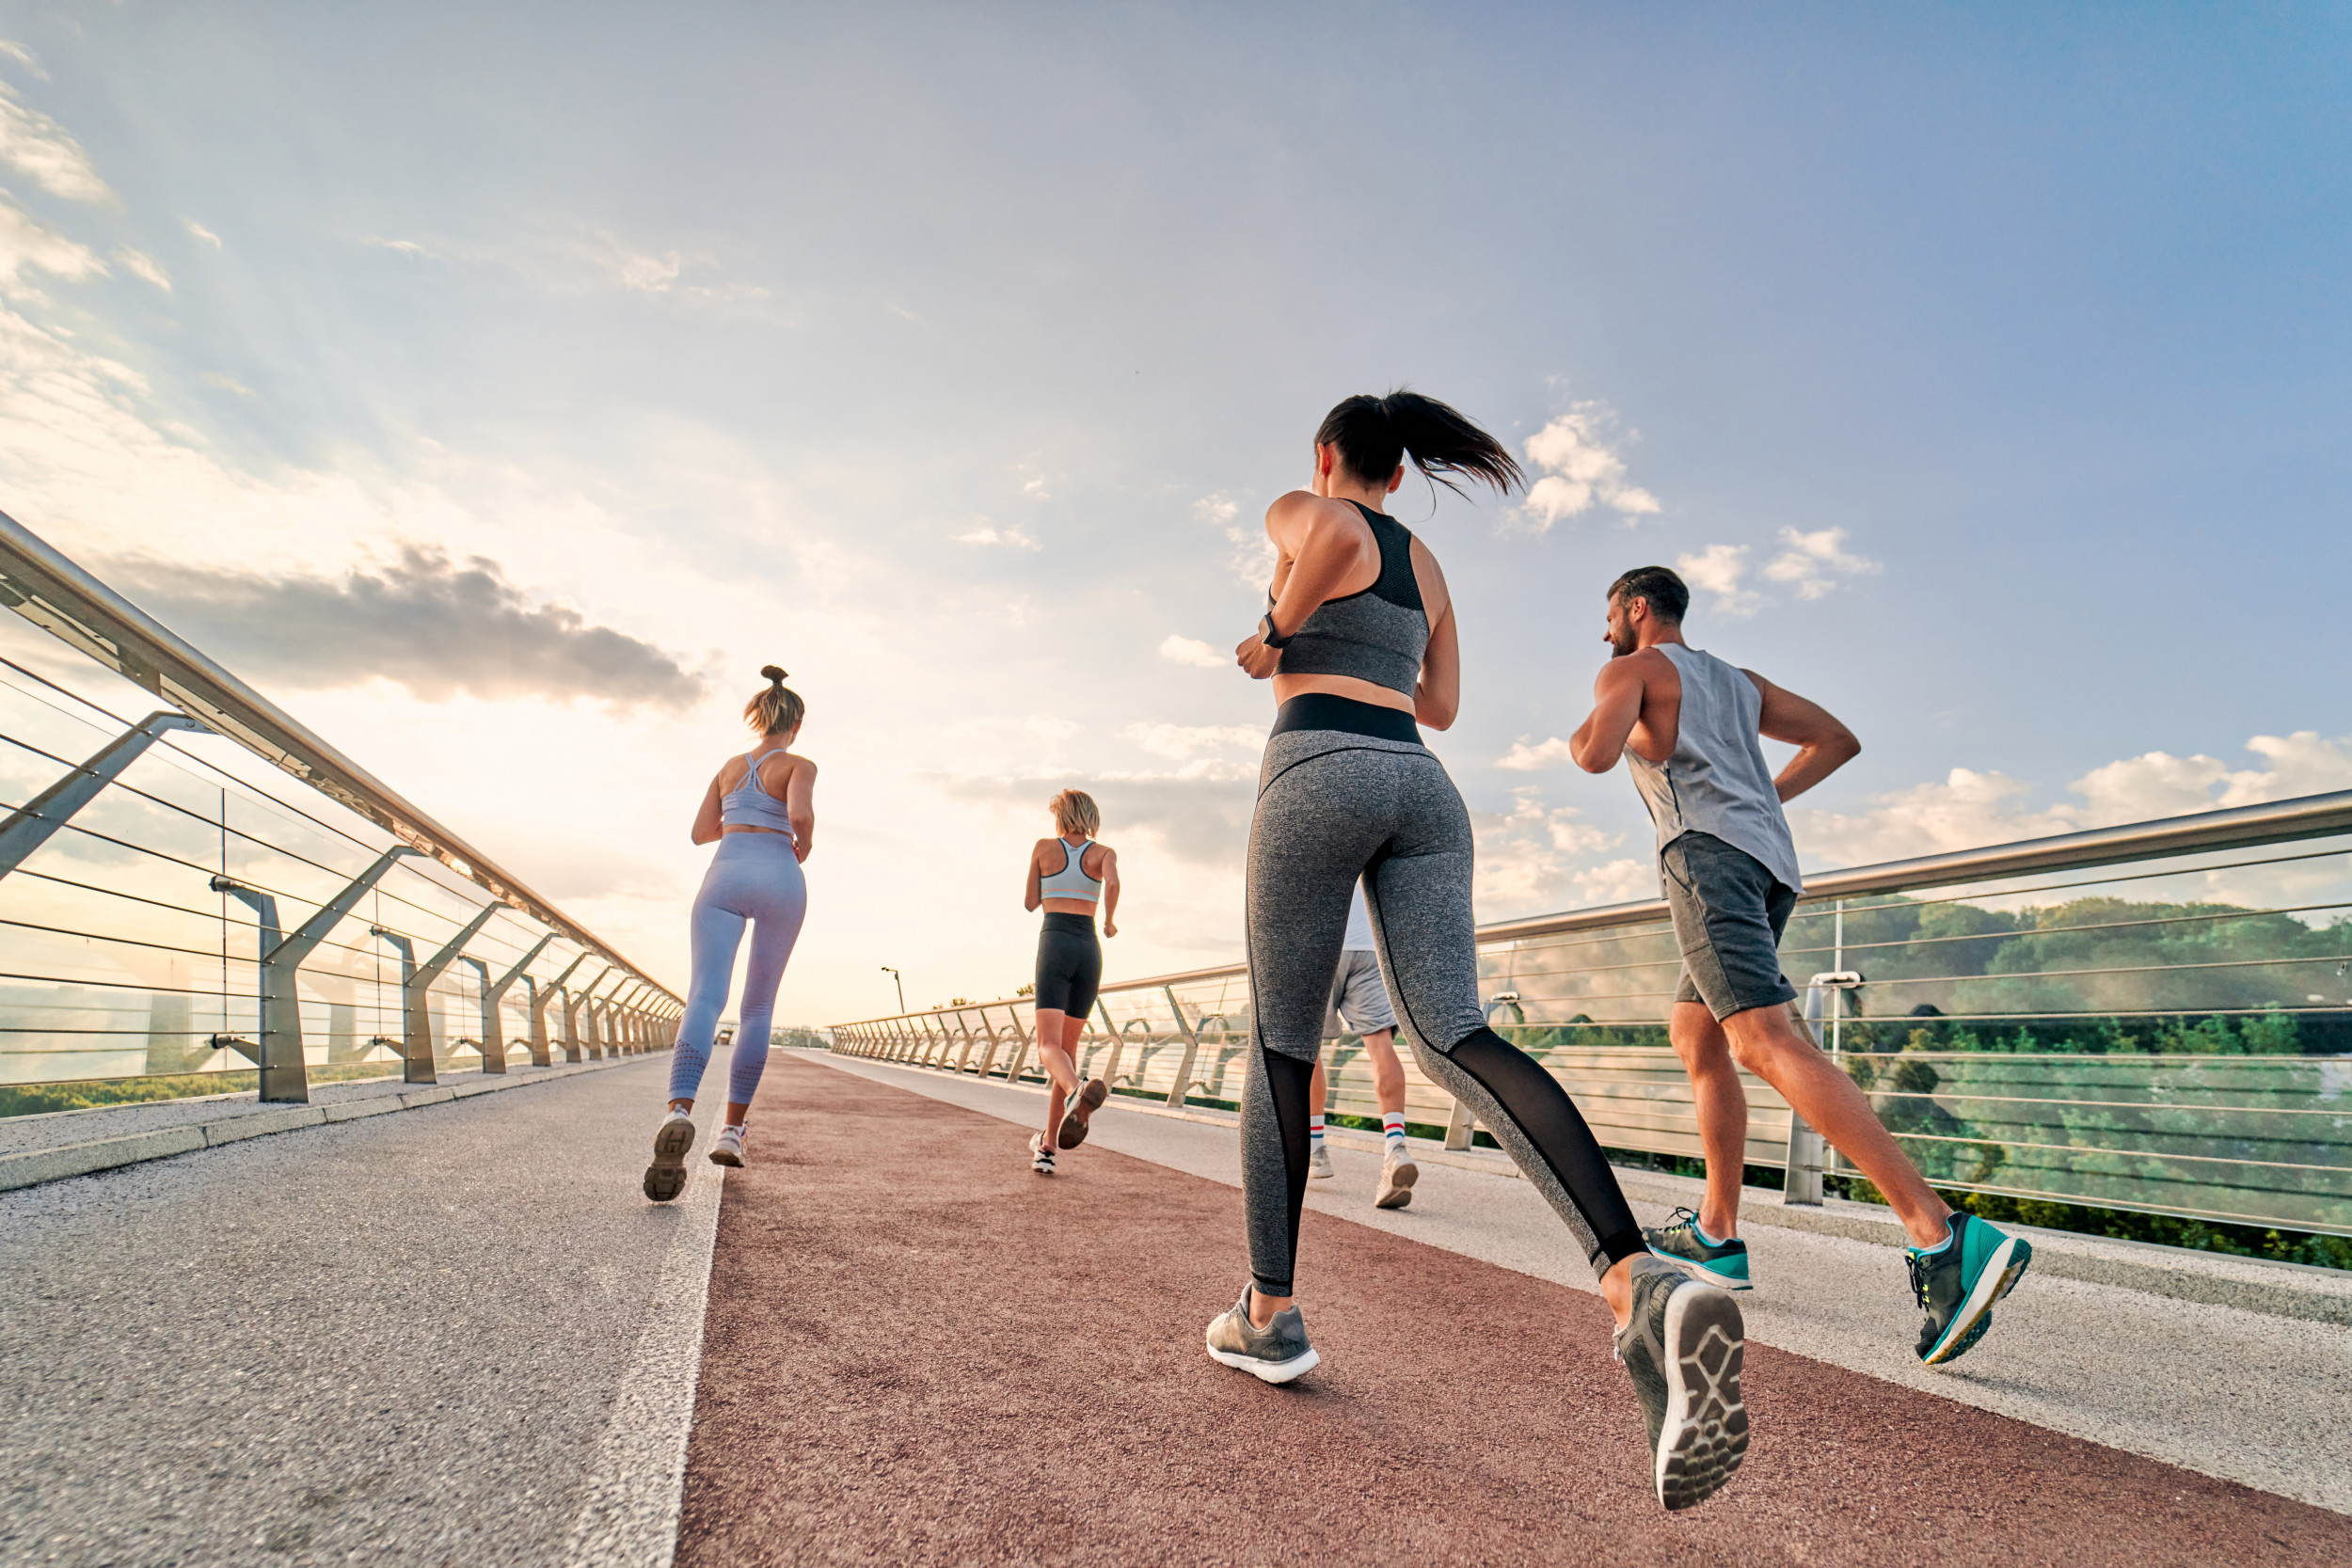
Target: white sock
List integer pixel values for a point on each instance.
(1392, 1128)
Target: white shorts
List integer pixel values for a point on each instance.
(1357, 997)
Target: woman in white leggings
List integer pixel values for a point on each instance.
(759, 810)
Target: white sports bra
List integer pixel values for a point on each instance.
(1071, 881)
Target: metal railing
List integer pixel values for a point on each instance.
(2154, 1017)
(211, 897)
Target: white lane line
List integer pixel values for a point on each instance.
(631, 1504)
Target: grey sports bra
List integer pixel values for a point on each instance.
(1378, 635)
(749, 805)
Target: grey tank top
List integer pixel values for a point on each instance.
(1377, 635)
(1717, 781)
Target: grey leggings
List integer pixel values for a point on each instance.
(1333, 805)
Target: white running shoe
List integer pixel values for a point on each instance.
(728, 1150)
(1319, 1164)
(666, 1177)
(1397, 1174)
(1041, 1155)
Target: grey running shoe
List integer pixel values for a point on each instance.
(728, 1150)
(1041, 1157)
(1683, 1348)
(1274, 1354)
(1397, 1174)
(1721, 1264)
(1958, 1283)
(1081, 1111)
(1319, 1164)
(666, 1177)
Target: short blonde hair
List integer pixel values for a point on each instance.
(777, 710)
(1076, 812)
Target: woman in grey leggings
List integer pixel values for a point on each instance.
(1361, 641)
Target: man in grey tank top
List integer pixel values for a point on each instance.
(1690, 727)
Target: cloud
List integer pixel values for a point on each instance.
(1183, 740)
(227, 384)
(1018, 537)
(1717, 570)
(1523, 758)
(1581, 470)
(434, 625)
(1192, 651)
(138, 263)
(25, 243)
(1813, 561)
(1969, 810)
(1623, 882)
(38, 147)
(1527, 856)
(406, 248)
(23, 56)
(1251, 557)
(199, 231)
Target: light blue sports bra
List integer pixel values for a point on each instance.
(747, 805)
(1071, 881)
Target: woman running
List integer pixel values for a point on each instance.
(1361, 641)
(759, 811)
(1067, 874)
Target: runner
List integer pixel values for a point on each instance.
(1688, 726)
(1361, 641)
(1360, 1004)
(760, 812)
(1067, 874)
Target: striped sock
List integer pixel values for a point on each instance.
(1315, 1127)
(1393, 1126)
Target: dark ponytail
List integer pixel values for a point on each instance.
(1374, 434)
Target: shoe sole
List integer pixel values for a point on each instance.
(1704, 1434)
(731, 1158)
(1319, 1172)
(1267, 1371)
(666, 1177)
(1704, 1274)
(2001, 1273)
(1396, 1186)
(1073, 1121)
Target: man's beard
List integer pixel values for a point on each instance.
(1623, 643)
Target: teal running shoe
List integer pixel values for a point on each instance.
(1721, 1264)
(1958, 1283)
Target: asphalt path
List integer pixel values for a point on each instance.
(398, 1340)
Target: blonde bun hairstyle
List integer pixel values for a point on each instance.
(778, 709)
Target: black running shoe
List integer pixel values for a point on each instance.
(1958, 1283)
(1683, 1348)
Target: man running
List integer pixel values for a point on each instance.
(1360, 1002)
(1687, 725)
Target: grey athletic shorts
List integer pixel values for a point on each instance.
(1357, 994)
(1729, 913)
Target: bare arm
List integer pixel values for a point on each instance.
(1110, 892)
(707, 819)
(1438, 694)
(1322, 539)
(1823, 745)
(799, 804)
(1600, 741)
(1031, 900)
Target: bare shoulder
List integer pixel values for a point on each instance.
(1109, 856)
(1430, 578)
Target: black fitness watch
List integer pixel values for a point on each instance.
(1265, 631)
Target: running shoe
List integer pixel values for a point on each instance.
(1274, 1354)
(1397, 1174)
(1683, 1348)
(666, 1177)
(728, 1150)
(1081, 1111)
(1041, 1157)
(1721, 1264)
(1319, 1162)
(1959, 1282)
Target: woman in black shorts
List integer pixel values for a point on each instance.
(1069, 874)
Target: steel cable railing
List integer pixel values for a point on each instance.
(2171, 1032)
(176, 917)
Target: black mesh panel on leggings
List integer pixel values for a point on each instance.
(1548, 1120)
(1274, 1164)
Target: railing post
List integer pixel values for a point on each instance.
(963, 1057)
(988, 1056)
(1192, 1050)
(540, 997)
(493, 1025)
(1020, 1049)
(1801, 1184)
(1118, 1043)
(493, 1032)
(573, 1048)
(29, 826)
(416, 983)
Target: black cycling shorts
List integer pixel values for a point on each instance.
(1068, 964)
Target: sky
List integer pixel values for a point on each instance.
(499, 388)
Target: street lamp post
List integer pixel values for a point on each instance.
(901, 984)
